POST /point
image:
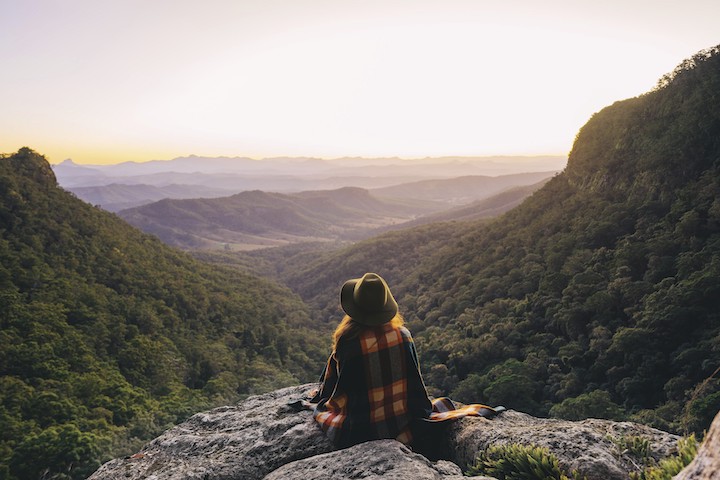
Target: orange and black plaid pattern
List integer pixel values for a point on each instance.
(372, 389)
(445, 409)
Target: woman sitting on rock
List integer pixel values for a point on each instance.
(372, 387)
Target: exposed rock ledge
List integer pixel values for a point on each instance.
(263, 438)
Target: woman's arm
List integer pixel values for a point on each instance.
(418, 402)
(328, 380)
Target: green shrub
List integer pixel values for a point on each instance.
(520, 462)
(671, 466)
(634, 445)
(596, 404)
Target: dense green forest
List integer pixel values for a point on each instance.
(598, 296)
(108, 337)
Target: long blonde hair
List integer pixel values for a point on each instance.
(349, 328)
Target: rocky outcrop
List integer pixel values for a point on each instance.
(381, 459)
(706, 465)
(244, 441)
(262, 437)
(593, 447)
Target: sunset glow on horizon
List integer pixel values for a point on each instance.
(106, 82)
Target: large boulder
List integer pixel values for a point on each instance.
(369, 461)
(596, 448)
(706, 465)
(262, 436)
(244, 441)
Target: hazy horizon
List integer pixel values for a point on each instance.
(550, 160)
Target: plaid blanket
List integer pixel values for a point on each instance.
(372, 388)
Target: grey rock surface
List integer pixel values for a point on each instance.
(244, 441)
(380, 459)
(706, 465)
(590, 446)
(262, 436)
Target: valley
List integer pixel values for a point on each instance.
(199, 216)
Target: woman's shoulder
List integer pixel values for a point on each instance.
(404, 332)
(391, 333)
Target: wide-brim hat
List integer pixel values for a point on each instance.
(368, 300)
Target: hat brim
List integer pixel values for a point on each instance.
(355, 311)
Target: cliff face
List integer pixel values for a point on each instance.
(262, 437)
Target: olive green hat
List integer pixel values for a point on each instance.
(368, 300)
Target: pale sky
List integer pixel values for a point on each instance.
(105, 81)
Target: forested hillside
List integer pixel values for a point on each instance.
(108, 336)
(462, 190)
(255, 219)
(116, 197)
(599, 295)
(481, 209)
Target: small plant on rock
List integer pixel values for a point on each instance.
(635, 445)
(671, 466)
(520, 462)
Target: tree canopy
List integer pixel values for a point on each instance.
(108, 336)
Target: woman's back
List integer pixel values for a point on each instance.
(372, 387)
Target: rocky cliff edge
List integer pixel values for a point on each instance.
(262, 437)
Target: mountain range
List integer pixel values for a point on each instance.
(480, 209)
(256, 219)
(115, 196)
(118, 187)
(259, 219)
(72, 174)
